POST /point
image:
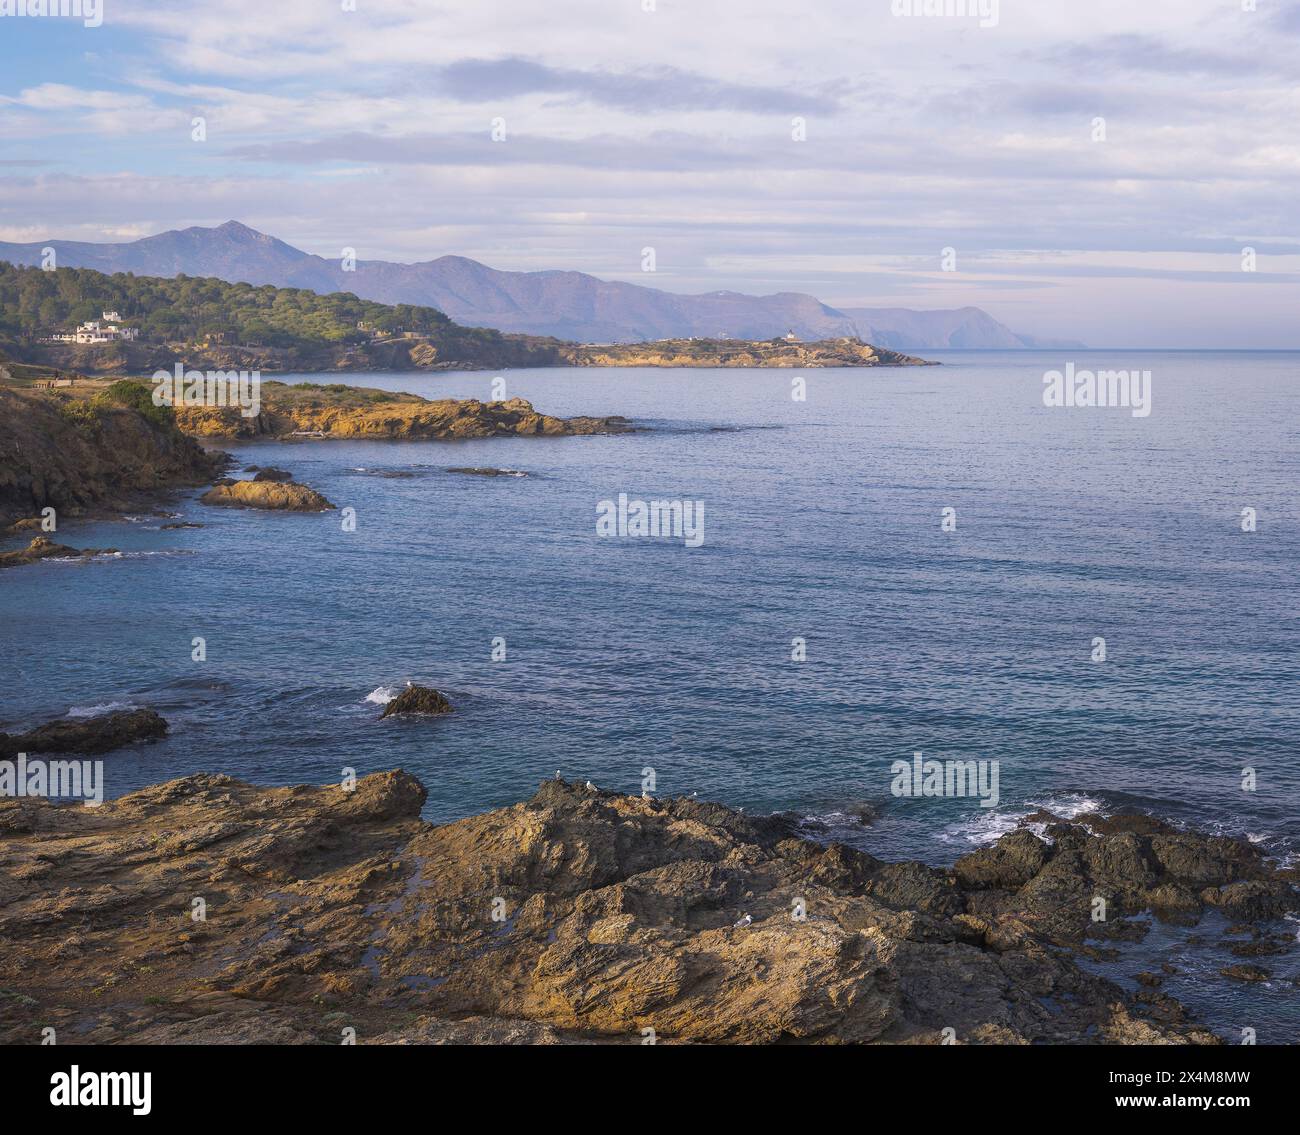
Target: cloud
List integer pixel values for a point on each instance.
(646, 90)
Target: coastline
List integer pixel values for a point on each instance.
(578, 916)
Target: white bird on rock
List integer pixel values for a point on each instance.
(745, 921)
(591, 787)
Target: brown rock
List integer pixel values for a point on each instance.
(43, 548)
(417, 700)
(266, 495)
(1246, 973)
(1009, 864)
(87, 734)
(576, 916)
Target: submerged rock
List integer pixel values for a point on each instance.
(486, 471)
(417, 700)
(272, 474)
(1247, 973)
(267, 495)
(43, 548)
(580, 915)
(87, 734)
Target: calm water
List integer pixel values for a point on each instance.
(822, 521)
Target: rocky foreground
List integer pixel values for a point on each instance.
(577, 916)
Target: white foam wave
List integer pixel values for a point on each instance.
(382, 695)
(96, 710)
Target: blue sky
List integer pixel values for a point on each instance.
(674, 128)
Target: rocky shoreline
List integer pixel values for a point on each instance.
(579, 916)
(107, 449)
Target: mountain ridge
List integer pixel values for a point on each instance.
(562, 303)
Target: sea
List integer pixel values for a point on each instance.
(1103, 604)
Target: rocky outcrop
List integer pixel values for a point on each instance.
(337, 411)
(486, 471)
(43, 548)
(1090, 875)
(272, 474)
(577, 916)
(417, 700)
(82, 455)
(99, 734)
(738, 353)
(266, 494)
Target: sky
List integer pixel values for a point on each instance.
(1093, 169)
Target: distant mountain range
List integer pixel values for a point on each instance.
(568, 305)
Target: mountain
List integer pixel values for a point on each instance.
(960, 329)
(567, 305)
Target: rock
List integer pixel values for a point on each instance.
(272, 474)
(1153, 980)
(1246, 973)
(87, 734)
(339, 411)
(330, 907)
(1201, 861)
(266, 495)
(1252, 900)
(184, 524)
(1009, 864)
(1263, 948)
(486, 471)
(417, 700)
(43, 548)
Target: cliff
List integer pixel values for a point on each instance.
(78, 455)
(577, 916)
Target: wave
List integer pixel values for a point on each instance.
(991, 825)
(97, 710)
(382, 695)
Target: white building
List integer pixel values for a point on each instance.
(104, 330)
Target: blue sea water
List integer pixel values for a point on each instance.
(822, 522)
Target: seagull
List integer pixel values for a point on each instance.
(591, 787)
(693, 794)
(557, 774)
(745, 921)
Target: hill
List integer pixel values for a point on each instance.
(560, 304)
